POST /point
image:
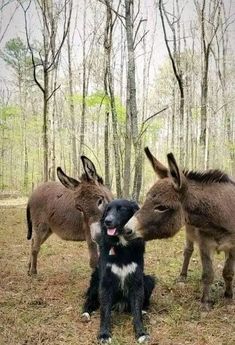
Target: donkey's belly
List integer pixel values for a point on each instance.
(219, 242)
(69, 234)
(226, 244)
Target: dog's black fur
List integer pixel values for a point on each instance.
(119, 281)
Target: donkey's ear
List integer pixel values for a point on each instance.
(67, 181)
(158, 167)
(174, 171)
(90, 169)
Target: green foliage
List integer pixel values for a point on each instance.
(14, 52)
(98, 98)
(16, 55)
(7, 112)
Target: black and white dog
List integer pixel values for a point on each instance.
(119, 281)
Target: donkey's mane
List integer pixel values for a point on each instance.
(209, 176)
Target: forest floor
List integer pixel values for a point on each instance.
(46, 309)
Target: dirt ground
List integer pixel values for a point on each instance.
(46, 310)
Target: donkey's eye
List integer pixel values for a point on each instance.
(161, 208)
(100, 203)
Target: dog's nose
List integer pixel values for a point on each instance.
(108, 221)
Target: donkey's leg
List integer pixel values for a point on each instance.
(228, 273)
(92, 247)
(40, 235)
(207, 272)
(188, 251)
(92, 296)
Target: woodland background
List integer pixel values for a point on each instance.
(106, 78)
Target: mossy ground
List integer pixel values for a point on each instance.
(46, 309)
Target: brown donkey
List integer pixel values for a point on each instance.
(205, 202)
(73, 213)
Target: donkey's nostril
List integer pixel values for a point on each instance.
(128, 231)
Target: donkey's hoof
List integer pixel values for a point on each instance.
(86, 317)
(143, 339)
(228, 295)
(206, 307)
(32, 273)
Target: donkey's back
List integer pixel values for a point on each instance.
(51, 209)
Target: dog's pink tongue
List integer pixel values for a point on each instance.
(111, 232)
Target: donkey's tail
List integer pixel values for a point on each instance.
(29, 223)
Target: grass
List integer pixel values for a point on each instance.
(46, 309)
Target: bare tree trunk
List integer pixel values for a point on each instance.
(106, 150)
(175, 62)
(52, 169)
(2, 159)
(45, 128)
(71, 107)
(48, 59)
(206, 42)
(84, 87)
(131, 107)
(109, 93)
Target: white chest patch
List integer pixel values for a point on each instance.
(123, 272)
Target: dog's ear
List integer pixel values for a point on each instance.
(135, 206)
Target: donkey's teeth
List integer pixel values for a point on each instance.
(111, 232)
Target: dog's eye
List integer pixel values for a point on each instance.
(161, 208)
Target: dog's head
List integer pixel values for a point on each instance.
(116, 215)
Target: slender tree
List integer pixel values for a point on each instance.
(47, 58)
(209, 24)
(176, 66)
(109, 92)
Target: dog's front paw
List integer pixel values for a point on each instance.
(104, 338)
(143, 339)
(86, 317)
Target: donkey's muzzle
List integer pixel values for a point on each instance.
(128, 232)
(95, 229)
(131, 229)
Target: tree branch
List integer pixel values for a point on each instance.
(9, 22)
(143, 130)
(29, 45)
(138, 27)
(177, 74)
(120, 16)
(53, 92)
(146, 32)
(65, 32)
